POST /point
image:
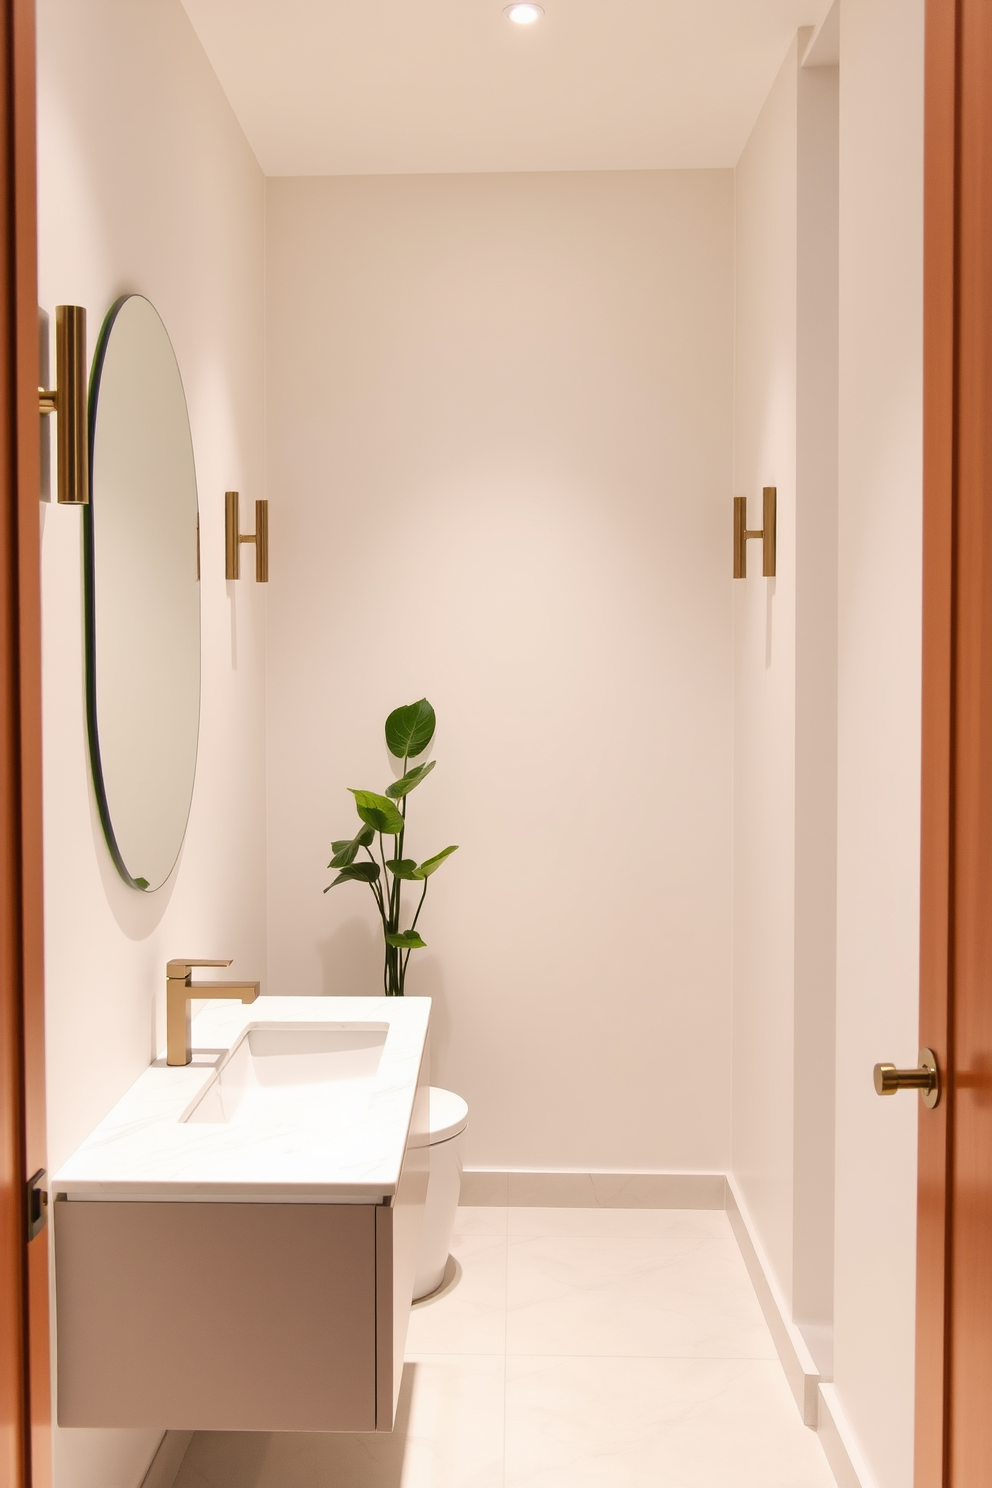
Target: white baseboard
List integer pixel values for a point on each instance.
(520, 1189)
(164, 1467)
(839, 1445)
(796, 1359)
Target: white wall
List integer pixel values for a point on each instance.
(785, 689)
(854, 683)
(146, 184)
(765, 674)
(879, 718)
(816, 706)
(499, 459)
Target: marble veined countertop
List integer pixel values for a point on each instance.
(145, 1149)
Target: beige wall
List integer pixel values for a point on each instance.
(765, 675)
(146, 184)
(499, 425)
(879, 718)
(785, 689)
(814, 1034)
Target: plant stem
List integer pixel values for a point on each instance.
(420, 905)
(396, 904)
(377, 896)
(389, 975)
(376, 890)
(413, 927)
(396, 901)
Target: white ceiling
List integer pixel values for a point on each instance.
(366, 87)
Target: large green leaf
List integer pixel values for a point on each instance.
(402, 867)
(366, 872)
(410, 730)
(431, 865)
(378, 812)
(409, 781)
(357, 872)
(363, 838)
(406, 940)
(344, 855)
(346, 850)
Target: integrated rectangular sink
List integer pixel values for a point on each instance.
(287, 1099)
(311, 1075)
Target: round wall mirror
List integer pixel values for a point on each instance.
(142, 584)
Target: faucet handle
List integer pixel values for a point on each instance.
(180, 970)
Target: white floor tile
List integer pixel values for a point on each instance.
(477, 1220)
(656, 1423)
(448, 1434)
(469, 1317)
(686, 1297)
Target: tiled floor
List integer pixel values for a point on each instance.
(574, 1348)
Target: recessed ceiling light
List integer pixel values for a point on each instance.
(524, 15)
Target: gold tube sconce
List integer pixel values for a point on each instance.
(766, 532)
(234, 537)
(67, 400)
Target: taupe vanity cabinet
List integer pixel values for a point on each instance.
(238, 1316)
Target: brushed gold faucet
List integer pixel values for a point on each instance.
(180, 990)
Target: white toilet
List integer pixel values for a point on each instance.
(448, 1119)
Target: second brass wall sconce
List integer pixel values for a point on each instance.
(766, 532)
(234, 537)
(67, 400)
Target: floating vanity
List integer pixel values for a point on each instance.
(236, 1242)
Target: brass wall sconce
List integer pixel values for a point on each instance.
(234, 537)
(766, 533)
(67, 399)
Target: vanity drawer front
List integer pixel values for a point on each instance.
(223, 1317)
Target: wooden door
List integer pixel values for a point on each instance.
(954, 1294)
(24, 1366)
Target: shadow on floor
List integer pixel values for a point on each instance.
(263, 1459)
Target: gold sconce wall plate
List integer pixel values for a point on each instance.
(67, 400)
(767, 532)
(234, 537)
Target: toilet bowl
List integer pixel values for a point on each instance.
(448, 1120)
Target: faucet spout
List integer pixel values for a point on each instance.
(180, 989)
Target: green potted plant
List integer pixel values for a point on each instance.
(409, 731)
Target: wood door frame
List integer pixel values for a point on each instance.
(957, 682)
(939, 345)
(25, 1410)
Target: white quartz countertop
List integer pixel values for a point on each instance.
(144, 1149)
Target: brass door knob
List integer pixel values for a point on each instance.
(925, 1078)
